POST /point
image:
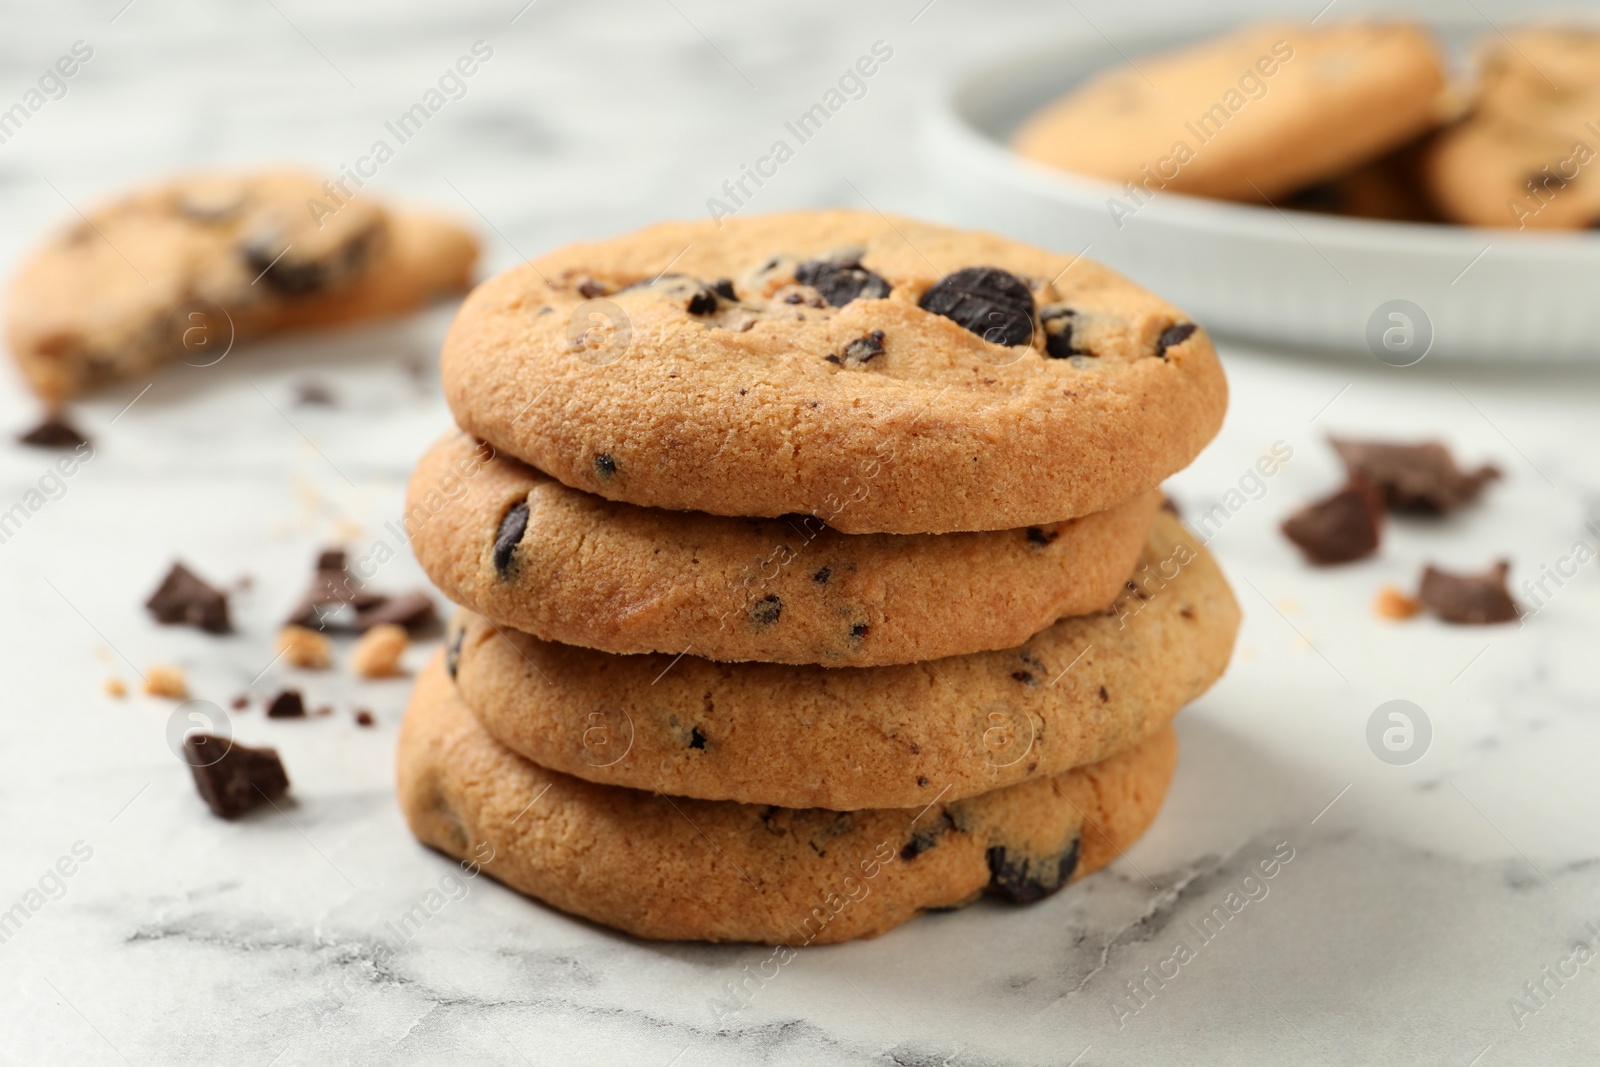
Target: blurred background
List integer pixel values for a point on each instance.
(1424, 897)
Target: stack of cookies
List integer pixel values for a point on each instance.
(814, 574)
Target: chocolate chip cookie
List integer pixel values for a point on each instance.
(671, 869)
(881, 375)
(1526, 155)
(509, 542)
(847, 738)
(190, 267)
(1258, 113)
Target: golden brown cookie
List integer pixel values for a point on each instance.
(521, 548)
(867, 737)
(677, 869)
(1261, 112)
(1527, 156)
(180, 270)
(883, 375)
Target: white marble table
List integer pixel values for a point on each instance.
(1419, 900)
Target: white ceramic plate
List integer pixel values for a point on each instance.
(1292, 278)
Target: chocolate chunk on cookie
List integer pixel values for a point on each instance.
(841, 281)
(987, 301)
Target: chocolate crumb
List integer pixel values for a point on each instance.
(1471, 599)
(183, 598)
(239, 780)
(1343, 527)
(364, 717)
(53, 432)
(314, 394)
(1419, 477)
(239, 703)
(286, 705)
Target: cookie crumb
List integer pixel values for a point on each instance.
(165, 680)
(1393, 604)
(116, 687)
(378, 653)
(305, 648)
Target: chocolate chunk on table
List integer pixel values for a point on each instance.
(1472, 599)
(1338, 529)
(287, 705)
(183, 598)
(233, 779)
(54, 432)
(1419, 477)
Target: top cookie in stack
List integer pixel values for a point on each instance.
(882, 375)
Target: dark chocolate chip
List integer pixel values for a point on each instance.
(920, 842)
(331, 559)
(841, 281)
(696, 738)
(1173, 336)
(53, 432)
(922, 779)
(859, 631)
(1039, 536)
(413, 610)
(1027, 879)
(987, 301)
(702, 302)
(364, 717)
(1472, 599)
(589, 288)
(765, 611)
(183, 598)
(239, 780)
(1104, 696)
(604, 465)
(509, 536)
(861, 350)
(1025, 677)
(1056, 322)
(272, 263)
(1346, 526)
(1421, 477)
(452, 653)
(286, 705)
(1170, 506)
(723, 287)
(822, 576)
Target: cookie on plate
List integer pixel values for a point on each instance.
(1526, 156)
(882, 375)
(675, 869)
(869, 737)
(189, 267)
(509, 542)
(1261, 112)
